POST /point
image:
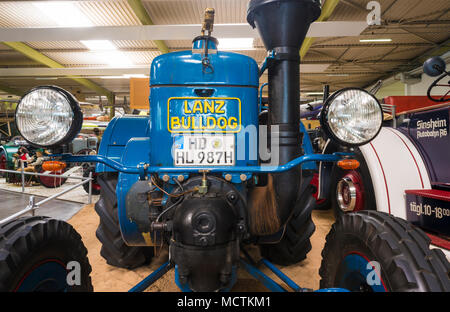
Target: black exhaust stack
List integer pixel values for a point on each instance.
(282, 25)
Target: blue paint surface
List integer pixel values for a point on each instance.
(179, 87)
(48, 276)
(355, 271)
(116, 136)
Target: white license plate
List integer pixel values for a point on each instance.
(204, 150)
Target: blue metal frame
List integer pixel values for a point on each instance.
(264, 65)
(251, 269)
(307, 148)
(153, 277)
(263, 278)
(269, 283)
(282, 276)
(144, 168)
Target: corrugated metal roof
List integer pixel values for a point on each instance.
(346, 54)
(191, 12)
(21, 14)
(108, 13)
(91, 58)
(133, 44)
(56, 45)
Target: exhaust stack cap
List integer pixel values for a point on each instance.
(282, 23)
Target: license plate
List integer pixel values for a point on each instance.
(204, 150)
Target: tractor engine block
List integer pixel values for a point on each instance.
(207, 228)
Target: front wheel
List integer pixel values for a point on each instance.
(42, 254)
(372, 251)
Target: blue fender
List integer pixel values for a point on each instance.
(116, 136)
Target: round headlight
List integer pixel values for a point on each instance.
(352, 117)
(48, 116)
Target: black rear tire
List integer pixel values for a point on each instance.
(35, 255)
(114, 249)
(401, 250)
(295, 244)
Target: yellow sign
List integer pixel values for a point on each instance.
(199, 114)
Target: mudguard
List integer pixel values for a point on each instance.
(395, 165)
(116, 136)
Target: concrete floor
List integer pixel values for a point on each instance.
(108, 278)
(12, 202)
(76, 195)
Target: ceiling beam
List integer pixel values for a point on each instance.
(167, 32)
(109, 71)
(418, 35)
(327, 10)
(27, 62)
(10, 90)
(440, 49)
(372, 45)
(142, 14)
(41, 58)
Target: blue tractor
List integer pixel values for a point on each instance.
(208, 174)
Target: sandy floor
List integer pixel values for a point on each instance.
(108, 278)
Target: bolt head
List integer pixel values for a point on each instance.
(204, 241)
(228, 177)
(180, 178)
(243, 177)
(165, 178)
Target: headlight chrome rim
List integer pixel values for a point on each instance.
(76, 123)
(326, 125)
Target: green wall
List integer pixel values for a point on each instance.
(397, 88)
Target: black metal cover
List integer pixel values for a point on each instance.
(282, 23)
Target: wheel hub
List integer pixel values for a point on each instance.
(349, 192)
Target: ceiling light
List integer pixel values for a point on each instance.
(135, 76)
(114, 58)
(64, 13)
(314, 93)
(375, 40)
(235, 43)
(107, 52)
(99, 45)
